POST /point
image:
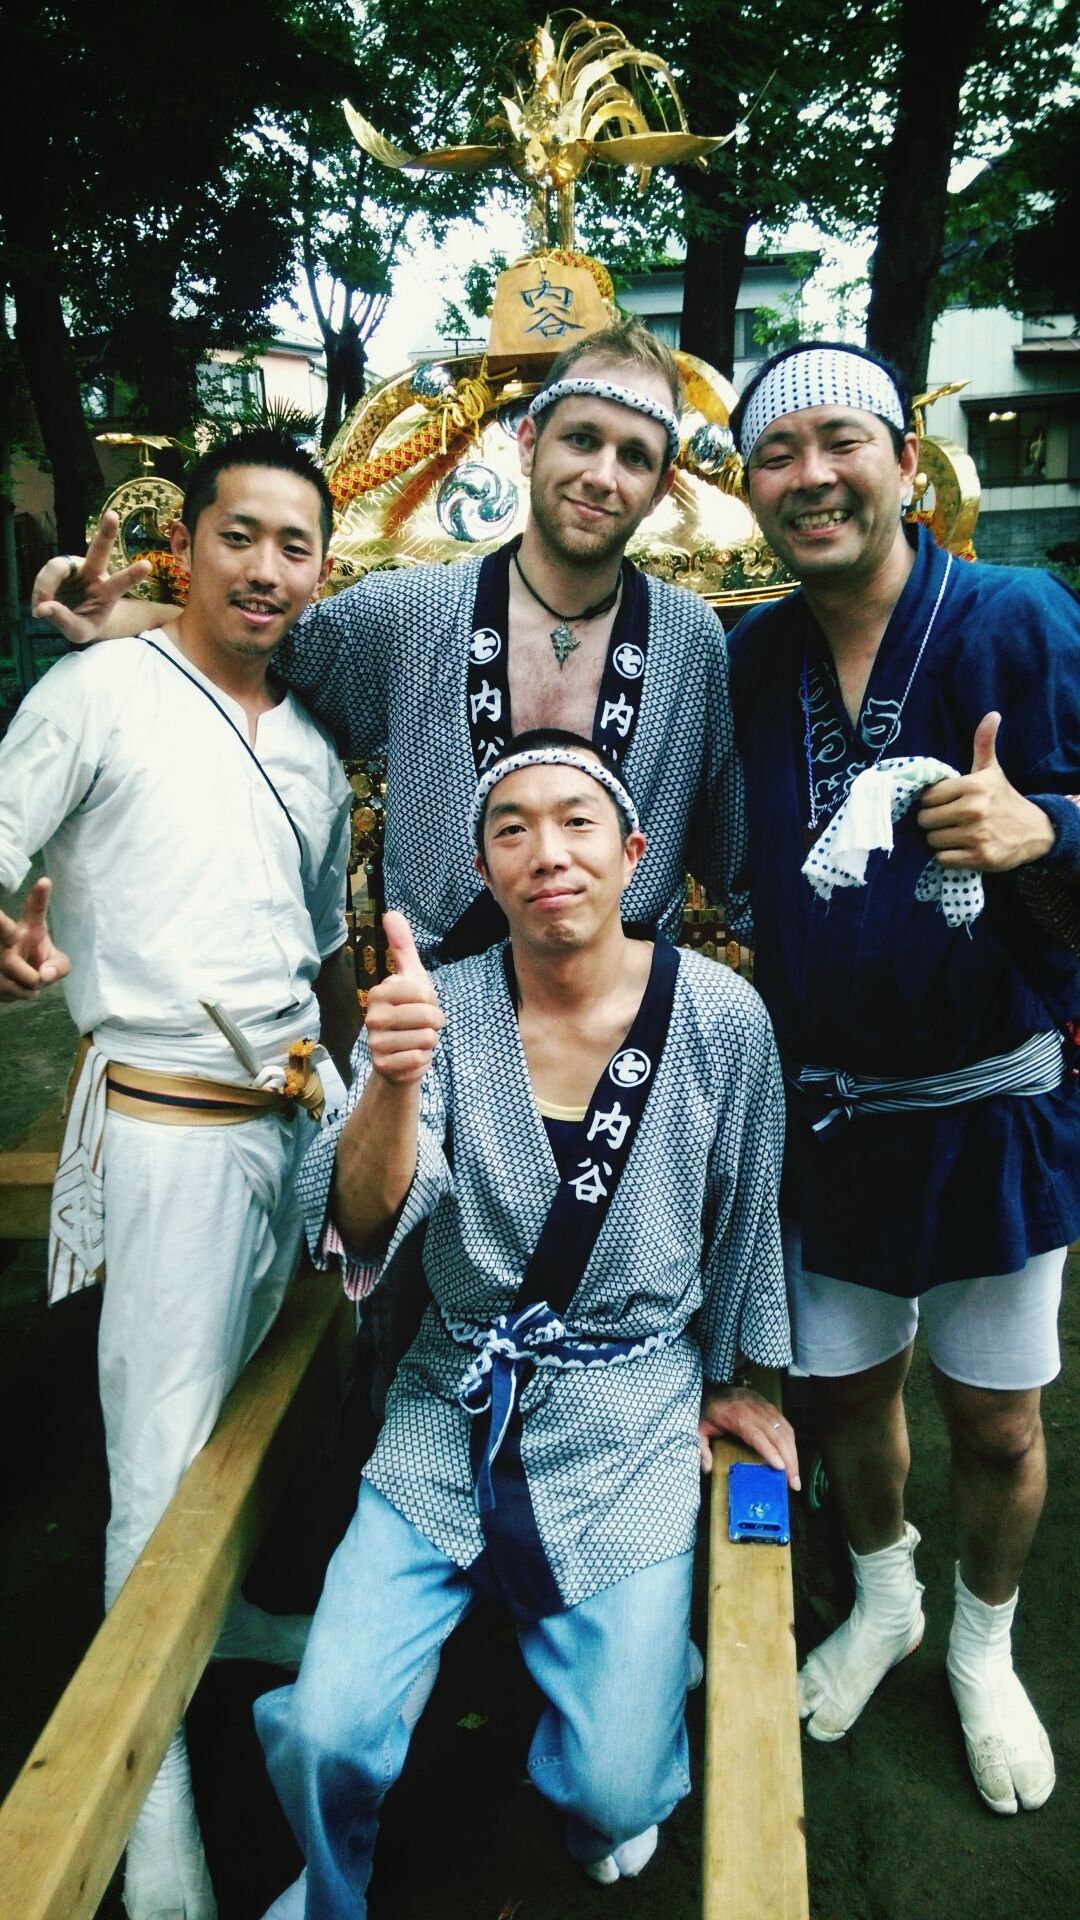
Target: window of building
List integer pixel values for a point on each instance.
(1025, 444)
(96, 399)
(225, 387)
(746, 347)
(664, 325)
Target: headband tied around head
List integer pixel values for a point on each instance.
(819, 377)
(550, 757)
(622, 396)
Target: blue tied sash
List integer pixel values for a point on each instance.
(534, 1336)
(534, 1333)
(830, 1095)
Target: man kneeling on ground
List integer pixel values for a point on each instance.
(590, 1126)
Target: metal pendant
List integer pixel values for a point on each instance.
(563, 642)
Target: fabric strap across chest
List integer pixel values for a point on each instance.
(488, 708)
(488, 682)
(534, 1334)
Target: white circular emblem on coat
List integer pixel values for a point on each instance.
(629, 661)
(485, 645)
(630, 1067)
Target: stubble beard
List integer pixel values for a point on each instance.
(588, 552)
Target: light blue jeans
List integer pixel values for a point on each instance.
(611, 1746)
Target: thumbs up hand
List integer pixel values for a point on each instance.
(404, 1018)
(28, 959)
(978, 819)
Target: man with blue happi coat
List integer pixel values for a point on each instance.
(909, 725)
(587, 1128)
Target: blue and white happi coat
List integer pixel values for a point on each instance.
(686, 1267)
(385, 664)
(874, 981)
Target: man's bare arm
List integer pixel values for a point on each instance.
(376, 1155)
(85, 602)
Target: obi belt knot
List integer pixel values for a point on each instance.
(508, 1350)
(832, 1095)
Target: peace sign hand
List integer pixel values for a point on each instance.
(76, 597)
(28, 959)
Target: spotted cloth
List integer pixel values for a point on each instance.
(819, 377)
(863, 825)
(622, 396)
(688, 1257)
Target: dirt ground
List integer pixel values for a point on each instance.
(895, 1829)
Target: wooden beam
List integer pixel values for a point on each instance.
(754, 1856)
(27, 1171)
(66, 1820)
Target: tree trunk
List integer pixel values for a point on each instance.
(41, 334)
(936, 48)
(53, 379)
(345, 365)
(712, 276)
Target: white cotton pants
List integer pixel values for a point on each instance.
(202, 1232)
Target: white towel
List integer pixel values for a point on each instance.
(864, 825)
(77, 1212)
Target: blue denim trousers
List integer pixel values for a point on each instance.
(610, 1748)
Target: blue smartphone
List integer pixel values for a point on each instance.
(758, 1504)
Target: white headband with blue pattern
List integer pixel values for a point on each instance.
(551, 757)
(819, 377)
(622, 396)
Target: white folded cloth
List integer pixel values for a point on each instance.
(864, 825)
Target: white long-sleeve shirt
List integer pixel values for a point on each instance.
(177, 876)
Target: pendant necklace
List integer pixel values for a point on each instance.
(815, 819)
(563, 642)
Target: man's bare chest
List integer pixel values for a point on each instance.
(545, 694)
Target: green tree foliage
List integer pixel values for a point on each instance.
(136, 213)
(980, 78)
(424, 78)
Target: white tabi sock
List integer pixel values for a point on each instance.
(290, 1904)
(165, 1871)
(625, 1861)
(1007, 1748)
(249, 1633)
(885, 1624)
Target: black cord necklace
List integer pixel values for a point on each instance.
(563, 642)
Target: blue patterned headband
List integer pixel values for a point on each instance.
(819, 377)
(550, 757)
(622, 396)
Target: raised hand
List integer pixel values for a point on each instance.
(404, 1018)
(28, 959)
(978, 819)
(78, 599)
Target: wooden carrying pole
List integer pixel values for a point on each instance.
(754, 1856)
(66, 1820)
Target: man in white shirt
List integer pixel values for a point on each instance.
(195, 826)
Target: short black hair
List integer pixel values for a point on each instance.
(539, 737)
(896, 434)
(255, 447)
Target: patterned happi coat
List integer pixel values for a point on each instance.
(385, 664)
(874, 981)
(687, 1263)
